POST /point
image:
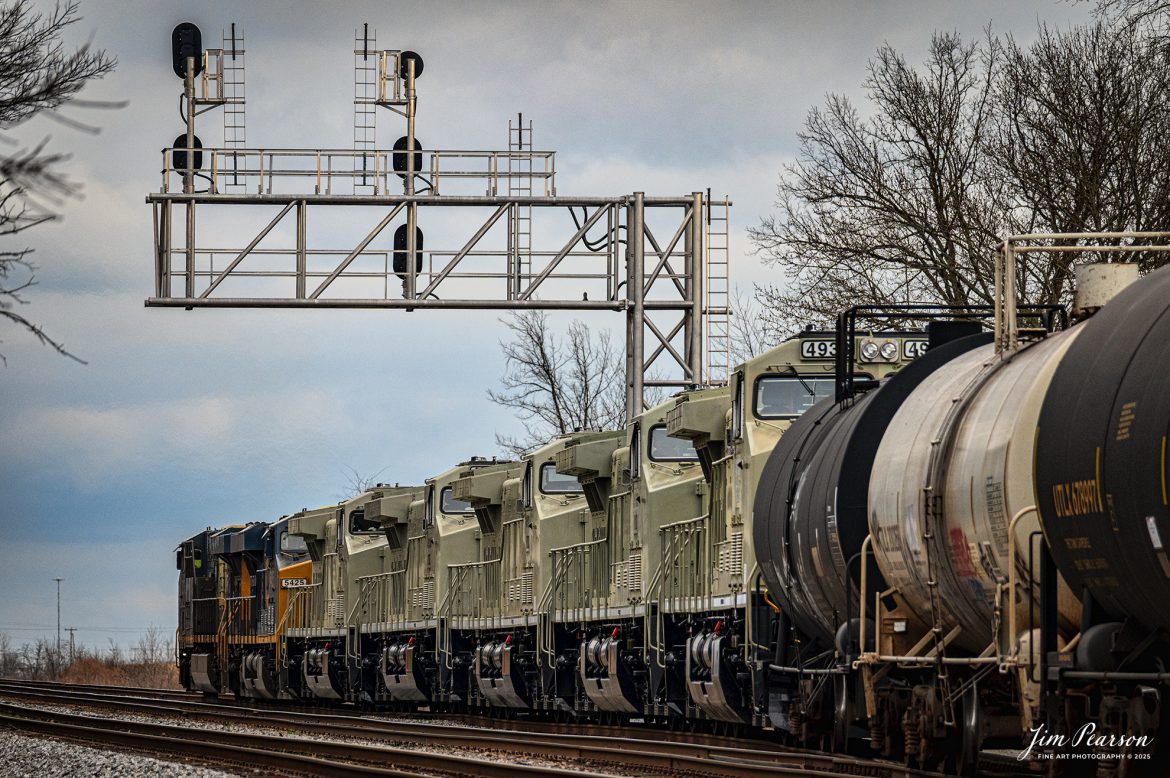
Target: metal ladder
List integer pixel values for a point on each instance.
(365, 119)
(520, 185)
(234, 135)
(717, 286)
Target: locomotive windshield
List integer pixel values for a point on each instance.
(292, 544)
(788, 396)
(448, 503)
(552, 482)
(664, 448)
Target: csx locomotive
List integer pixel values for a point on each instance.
(915, 544)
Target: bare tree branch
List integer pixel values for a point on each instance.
(559, 384)
(984, 139)
(38, 76)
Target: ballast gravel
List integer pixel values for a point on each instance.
(23, 756)
(379, 741)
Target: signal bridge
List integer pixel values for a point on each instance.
(242, 227)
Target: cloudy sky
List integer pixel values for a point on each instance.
(184, 419)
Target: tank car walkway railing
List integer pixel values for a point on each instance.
(349, 171)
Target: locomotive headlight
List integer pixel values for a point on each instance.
(869, 351)
(889, 351)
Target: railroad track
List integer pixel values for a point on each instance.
(654, 752)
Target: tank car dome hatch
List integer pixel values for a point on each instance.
(1101, 475)
(1099, 282)
(802, 548)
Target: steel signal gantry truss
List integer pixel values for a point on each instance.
(656, 278)
(498, 236)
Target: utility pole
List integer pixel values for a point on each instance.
(71, 630)
(58, 580)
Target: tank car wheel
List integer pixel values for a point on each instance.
(971, 731)
(842, 715)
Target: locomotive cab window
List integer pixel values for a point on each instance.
(788, 396)
(664, 448)
(526, 487)
(737, 409)
(358, 523)
(635, 468)
(448, 503)
(292, 544)
(552, 482)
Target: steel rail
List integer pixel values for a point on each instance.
(669, 756)
(312, 757)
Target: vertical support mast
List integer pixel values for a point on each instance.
(693, 285)
(636, 312)
(189, 176)
(412, 206)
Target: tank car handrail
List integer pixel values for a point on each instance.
(1084, 236)
(1013, 655)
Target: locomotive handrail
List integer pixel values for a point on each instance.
(298, 593)
(686, 530)
(562, 558)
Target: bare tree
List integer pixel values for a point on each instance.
(751, 333)
(38, 76)
(1151, 13)
(9, 663)
(1065, 135)
(560, 384)
(1084, 140)
(895, 206)
(357, 482)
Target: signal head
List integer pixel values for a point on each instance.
(186, 41)
(179, 153)
(410, 55)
